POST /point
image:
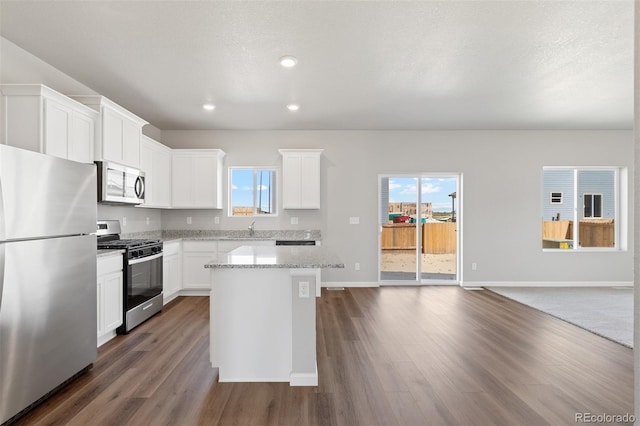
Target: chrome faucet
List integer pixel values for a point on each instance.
(251, 228)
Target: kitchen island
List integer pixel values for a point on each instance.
(263, 313)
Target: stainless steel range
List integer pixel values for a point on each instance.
(142, 267)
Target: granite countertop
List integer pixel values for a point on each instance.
(277, 257)
(222, 235)
(109, 252)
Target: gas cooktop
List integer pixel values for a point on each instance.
(126, 244)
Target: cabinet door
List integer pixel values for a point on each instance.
(112, 128)
(181, 181)
(146, 165)
(162, 177)
(291, 184)
(310, 181)
(57, 128)
(171, 275)
(205, 182)
(196, 179)
(195, 275)
(100, 307)
(131, 143)
(112, 290)
(82, 138)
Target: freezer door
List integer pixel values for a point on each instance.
(44, 196)
(47, 317)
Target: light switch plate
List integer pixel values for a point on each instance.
(216, 220)
(294, 220)
(354, 220)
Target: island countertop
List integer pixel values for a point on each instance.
(277, 257)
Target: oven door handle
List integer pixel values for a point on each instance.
(144, 259)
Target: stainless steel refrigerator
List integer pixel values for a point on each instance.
(47, 275)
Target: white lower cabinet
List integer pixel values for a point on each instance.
(171, 270)
(196, 254)
(229, 245)
(184, 273)
(109, 296)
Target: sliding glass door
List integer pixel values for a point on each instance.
(419, 222)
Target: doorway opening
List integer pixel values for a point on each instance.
(419, 236)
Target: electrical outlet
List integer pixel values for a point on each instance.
(294, 220)
(474, 266)
(303, 289)
(148, 221)
(189, 220)
(216, 220)
(354, 220)
(124, 221)
(357, 266)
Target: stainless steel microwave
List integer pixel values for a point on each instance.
(118, 184)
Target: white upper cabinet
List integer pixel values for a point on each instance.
(301, 178)
(119, 131)
(40, 119)
(197, 178)
(155, 162)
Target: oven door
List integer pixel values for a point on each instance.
(144, 280)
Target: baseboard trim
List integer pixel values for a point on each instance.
(106, 337)
(186, 292)
(304, 379)
(548, 284)
(350, 284)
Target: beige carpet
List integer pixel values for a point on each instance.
(606, 311)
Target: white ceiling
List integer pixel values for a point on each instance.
(362, 64)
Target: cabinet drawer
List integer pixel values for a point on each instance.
(108, 264)
(200, 246)
(171, 248)
(227, 246)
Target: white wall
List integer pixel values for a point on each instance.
(132, 219)
(502, 180)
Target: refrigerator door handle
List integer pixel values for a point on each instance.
(2, 257)
(3, 233)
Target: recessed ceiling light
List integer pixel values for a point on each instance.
(288, 61)
(293, 107)
(209, 107)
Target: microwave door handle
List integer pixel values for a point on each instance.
(139, 187)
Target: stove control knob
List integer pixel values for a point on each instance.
(134, 254)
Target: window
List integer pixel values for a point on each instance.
(555, 198)
(592, 205)
(581, 207)
(252, 191)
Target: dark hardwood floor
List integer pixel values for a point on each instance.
(386, 356)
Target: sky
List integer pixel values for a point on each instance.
(434, 190)
(242, 188)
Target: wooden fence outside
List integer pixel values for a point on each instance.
(592, 232)
(437, 238)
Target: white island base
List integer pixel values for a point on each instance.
(263, 325)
